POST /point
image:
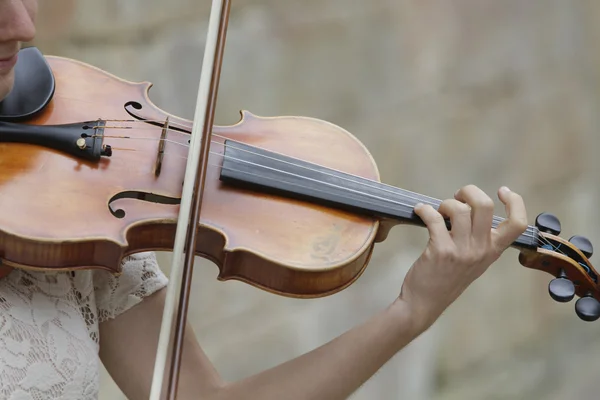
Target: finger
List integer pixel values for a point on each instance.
(434, 222)
(460, 218)
(516, 221)
(482, 210)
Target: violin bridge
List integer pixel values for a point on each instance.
(161, 148)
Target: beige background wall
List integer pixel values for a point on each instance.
(444, 93)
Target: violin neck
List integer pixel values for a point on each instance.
(263, 170)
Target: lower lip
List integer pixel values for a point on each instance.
(8, 64)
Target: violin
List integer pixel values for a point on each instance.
(92, 171)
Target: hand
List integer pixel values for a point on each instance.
(453, 259)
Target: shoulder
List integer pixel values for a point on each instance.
(140, 277)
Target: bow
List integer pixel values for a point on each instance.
(191, 202)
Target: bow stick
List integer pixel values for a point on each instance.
(191, 202)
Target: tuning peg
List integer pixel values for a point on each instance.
(583, 244)
(547, 222)
(588, 308)
(561, 289)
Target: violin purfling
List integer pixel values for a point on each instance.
(91, 171)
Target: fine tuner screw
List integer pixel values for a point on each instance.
(81, 143)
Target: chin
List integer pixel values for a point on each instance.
(6, 84)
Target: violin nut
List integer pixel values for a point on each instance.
(81, 143)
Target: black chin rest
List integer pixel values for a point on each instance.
(33, 88)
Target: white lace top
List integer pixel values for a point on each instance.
(49, 326)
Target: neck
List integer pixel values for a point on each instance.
(267, 171)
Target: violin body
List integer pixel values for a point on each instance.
(291, 205)
(68, 213)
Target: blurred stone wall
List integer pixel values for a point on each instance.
(443, 93)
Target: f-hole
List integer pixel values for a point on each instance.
(150, 197)
(135, 109)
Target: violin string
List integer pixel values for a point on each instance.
(529, 229)
(496, 219)
(344, 188)
(433, 201)
(142, 138)
(531, 232)
(539, 239)
(410, 206)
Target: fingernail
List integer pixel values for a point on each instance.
(418, 205)
(505, 189)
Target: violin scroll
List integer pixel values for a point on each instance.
(568, 261)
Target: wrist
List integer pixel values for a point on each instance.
(413, 321)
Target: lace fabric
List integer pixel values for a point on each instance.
(49, 338)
